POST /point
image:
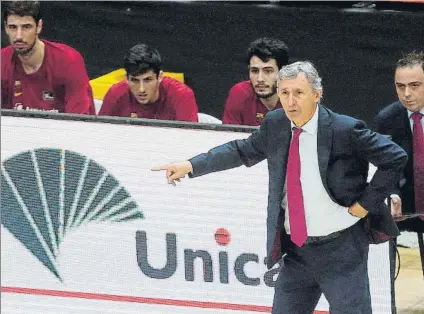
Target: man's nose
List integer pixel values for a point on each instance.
(260, 76)
(19, 33)
(290, 100)
(141, 88)
(407, 91)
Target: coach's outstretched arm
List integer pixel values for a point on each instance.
(233, 154)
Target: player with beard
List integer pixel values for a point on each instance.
(249, 101)
(37, 74)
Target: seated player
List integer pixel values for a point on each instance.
(249, 101)
(38, 74)
(146, 93)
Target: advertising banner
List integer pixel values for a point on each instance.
(87, 227)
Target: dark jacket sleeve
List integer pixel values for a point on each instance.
(381, 125)
(233, 154)
(389, 158)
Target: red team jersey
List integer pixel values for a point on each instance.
(61, 84)
(244, 107)
(176, 102)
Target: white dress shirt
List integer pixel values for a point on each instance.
(323, 216)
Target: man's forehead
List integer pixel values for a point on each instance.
(256, 62)
(300, 81)
(261, 66)
(20, 20)
(149, 73)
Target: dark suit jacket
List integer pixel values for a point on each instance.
(345, 146)
(393, 120)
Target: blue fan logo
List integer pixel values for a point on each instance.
(47, 192)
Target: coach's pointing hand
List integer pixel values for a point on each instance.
(175, 171)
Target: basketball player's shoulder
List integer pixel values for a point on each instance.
(7, 52)
(62, 52)
(174, 85)
(243, 90)
(6, 57)
(119, 89)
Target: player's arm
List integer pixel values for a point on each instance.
(233, 107)
(5, 88)
(78, 93)
(186, 106)
(5, 103)
(110, 106)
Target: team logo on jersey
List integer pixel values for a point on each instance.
(48, 95)
(134, 115)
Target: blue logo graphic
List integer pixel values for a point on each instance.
(47, 192)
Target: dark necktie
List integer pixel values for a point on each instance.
(298, 232)
(418, 149)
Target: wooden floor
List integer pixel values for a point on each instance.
(409, 286)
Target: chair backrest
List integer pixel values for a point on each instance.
(101, 85)
(98, 105)
(205, 118)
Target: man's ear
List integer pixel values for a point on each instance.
(39, 26)
(318, 95)
(160, 76)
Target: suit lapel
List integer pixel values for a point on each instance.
(402, 133)
(277, 160)
(324, 143)
(278, 165)
(406, 124)
(284, 138)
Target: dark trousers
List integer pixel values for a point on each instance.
(336, 267)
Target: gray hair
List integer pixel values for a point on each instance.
(292, 70)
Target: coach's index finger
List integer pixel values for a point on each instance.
(159, 168)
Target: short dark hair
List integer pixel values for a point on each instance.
(22, 8)
(269, 48)
(411, 59)
(142, 58)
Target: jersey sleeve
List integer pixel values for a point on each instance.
(110, 106)
(233, 111)
(78, 93)
(5, 79)
(185, 106)
(5, 93)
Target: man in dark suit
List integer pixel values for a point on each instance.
(318, 194)
(398, 120)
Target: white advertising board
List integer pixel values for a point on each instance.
(88, 228)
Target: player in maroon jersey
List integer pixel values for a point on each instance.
(249, 101)
(145, 93)
(37, 74)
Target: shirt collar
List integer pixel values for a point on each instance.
(411, 112)
(312, 125)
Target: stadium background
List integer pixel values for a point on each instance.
(354, 48)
